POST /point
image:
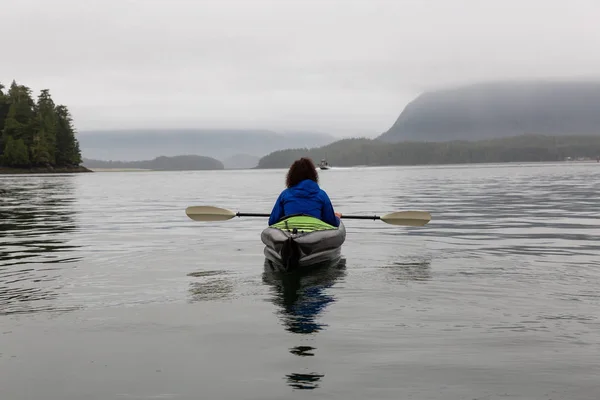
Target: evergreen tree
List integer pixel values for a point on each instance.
(15, 153)
(67, 146)
(21, 112)
(43, 148)
(4, 106)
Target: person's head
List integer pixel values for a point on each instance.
(300, 170)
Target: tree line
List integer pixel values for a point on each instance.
(35, 133)
(361, 151)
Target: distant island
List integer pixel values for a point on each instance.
(375, 152)
(36, 136)
(177, 163)
(500, 109)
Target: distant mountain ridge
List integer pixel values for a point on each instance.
(500, 109)
(177, 163)
(140, 144)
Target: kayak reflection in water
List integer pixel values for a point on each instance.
(304, 196)
(302, 297)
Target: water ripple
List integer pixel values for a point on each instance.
(37, 218)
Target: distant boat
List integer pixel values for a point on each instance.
(324, 164)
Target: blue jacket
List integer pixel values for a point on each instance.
(304, 198)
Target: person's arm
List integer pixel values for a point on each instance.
(277, 211)
(328, 213)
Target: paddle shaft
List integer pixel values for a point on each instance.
(240, 214)
(374, 217)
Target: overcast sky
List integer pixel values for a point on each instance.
(343, 67)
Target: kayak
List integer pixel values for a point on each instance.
(302, 242)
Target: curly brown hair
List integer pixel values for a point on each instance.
(300, 170)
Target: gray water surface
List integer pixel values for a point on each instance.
(108, 290)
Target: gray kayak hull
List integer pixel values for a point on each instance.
(288, 250)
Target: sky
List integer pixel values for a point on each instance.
(346, 67)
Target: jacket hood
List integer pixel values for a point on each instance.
(306, 188)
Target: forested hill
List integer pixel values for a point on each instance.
(500, 109)
(523, 148)
(35, 133)
(177, 163)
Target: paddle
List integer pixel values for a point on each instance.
(405, 218)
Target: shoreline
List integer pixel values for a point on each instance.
(43, 170)
(590, 161)
(120, 170)
(82, 169)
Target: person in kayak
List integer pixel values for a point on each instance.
(304, 196)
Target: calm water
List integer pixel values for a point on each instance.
(108, 291)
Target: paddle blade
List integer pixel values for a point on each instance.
(209, 213)
(407, 218)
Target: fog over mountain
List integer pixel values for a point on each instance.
(500, 109)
